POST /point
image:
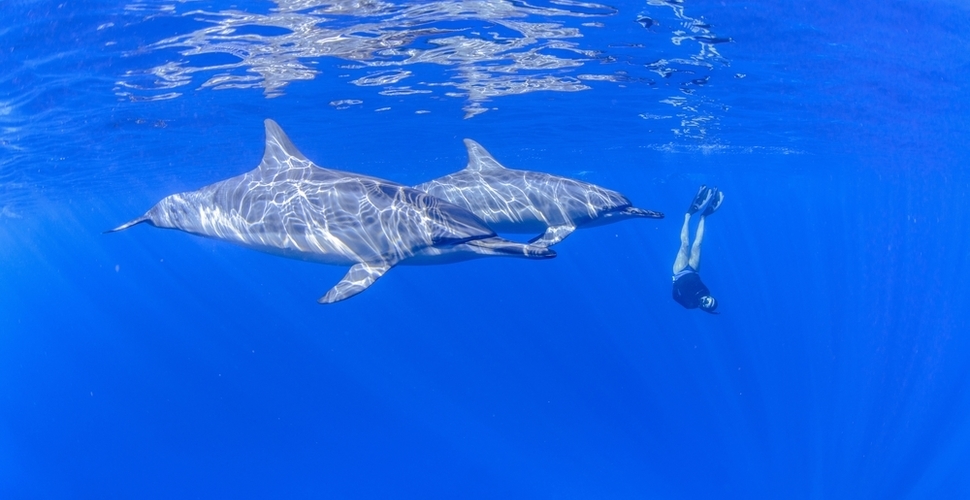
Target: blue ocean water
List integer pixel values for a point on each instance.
(156, 364)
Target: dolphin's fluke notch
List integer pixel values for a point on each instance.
(126, 225)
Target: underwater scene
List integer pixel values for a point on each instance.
(668, 249)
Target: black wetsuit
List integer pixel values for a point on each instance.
(688, 289)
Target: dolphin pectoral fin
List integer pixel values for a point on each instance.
(356, 280)
(553, 235)
(498, 246)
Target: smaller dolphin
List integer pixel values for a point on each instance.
(522, 201)
(291, 207)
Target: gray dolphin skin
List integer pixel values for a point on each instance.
(291, 207)
(522, 201)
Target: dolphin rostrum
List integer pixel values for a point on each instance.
(522, 201)
(291, 207)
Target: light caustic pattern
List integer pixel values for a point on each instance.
(493, 48)
(523, 201)
(488, 49)
(695, 56)
(289, 206)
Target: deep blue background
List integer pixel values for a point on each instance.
(154, 364)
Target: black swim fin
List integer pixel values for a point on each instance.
(700, 199)
(715, 203)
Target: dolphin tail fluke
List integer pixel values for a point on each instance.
(126, 225)
(642, 212)
(355, 281)
(499, 246)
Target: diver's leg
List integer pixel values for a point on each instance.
(681, 261)
(695, 250)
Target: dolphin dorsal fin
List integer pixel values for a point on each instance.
(479, 159)
(279, 149)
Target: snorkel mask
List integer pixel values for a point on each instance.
(708, 304)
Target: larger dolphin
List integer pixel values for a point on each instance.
(289, 206)
(522, 201)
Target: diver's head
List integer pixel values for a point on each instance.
(708, 303)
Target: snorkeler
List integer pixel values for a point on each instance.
(689, 290)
